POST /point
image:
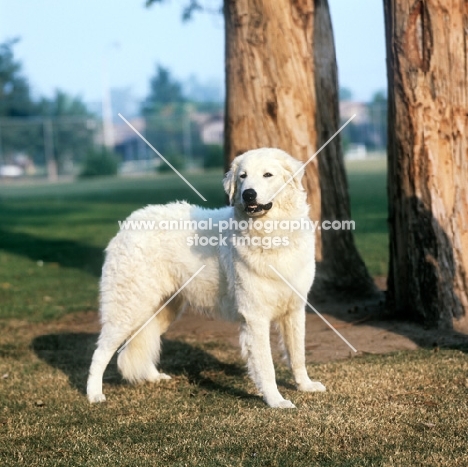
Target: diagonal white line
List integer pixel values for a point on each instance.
(311, 158)
(313, 309)
(157, 312)
(162, 157)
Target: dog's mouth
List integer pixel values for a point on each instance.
(253, 207)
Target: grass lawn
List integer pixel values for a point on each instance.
(403, 409)
(368, 192)
(52, 237)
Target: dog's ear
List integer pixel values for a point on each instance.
(230, 179)
(294, 166)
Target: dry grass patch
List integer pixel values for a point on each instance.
(407, 408)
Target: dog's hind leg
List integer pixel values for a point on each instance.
(138, 360)
(109, 340)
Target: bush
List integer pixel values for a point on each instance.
(99, 163)
(176, 160)
(214, 156)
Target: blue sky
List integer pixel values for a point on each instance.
(64, 43)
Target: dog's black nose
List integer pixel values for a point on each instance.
(249, 195)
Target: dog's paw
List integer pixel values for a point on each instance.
(312, 386)
(282, 404)
(286, 404)
(96, 398)
(164, 376)
(155, 378)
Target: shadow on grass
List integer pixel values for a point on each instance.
(67, 253)
(71, 353)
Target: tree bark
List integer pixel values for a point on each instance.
(270, 95)
(427, 159)
(342, 266)
(274, 74)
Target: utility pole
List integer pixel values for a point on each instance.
(187, 137)
(49, 150)
(1, 146)
(107, 117)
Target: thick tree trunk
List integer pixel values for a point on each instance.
(428, 159)
(272, 76)
(342, 266)
(270, 94)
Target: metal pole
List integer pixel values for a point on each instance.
(49, 150)
(1, 146)
(107, 116)
(107, 124)
(187, 138)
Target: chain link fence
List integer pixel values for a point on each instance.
(53, 148)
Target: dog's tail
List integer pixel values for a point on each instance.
(136, 362)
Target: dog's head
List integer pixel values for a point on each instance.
(261, 178)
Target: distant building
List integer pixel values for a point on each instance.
(211, 126)
(356, 152)
(127, 143)
(212, 132)
(349, 108)
(132, 148)
(367, 132)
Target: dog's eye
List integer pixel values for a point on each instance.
(268, 174)
(244, 175)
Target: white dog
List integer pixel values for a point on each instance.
(145, 268)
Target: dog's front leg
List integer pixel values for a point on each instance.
(255, 343)
(292, 327)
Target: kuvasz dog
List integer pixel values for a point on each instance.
(144, 268)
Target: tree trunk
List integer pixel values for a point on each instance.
(342, 266)
(270, 95)
(273, 75)
(427, 159)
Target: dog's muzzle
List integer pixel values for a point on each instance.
(249, 197)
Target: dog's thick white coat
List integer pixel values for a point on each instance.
(144, 268)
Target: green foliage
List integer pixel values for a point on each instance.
(213, 156)
(177, 161)
(25, 121)
(378, 111)
(379, 97)
(15, 103)
(62, 105)
(371, 131)
(72, 124)
(99, 163)
(15, 98)
(164, 91)
(345, 94)
(173, 122)
(165, 129)
(165, 114)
